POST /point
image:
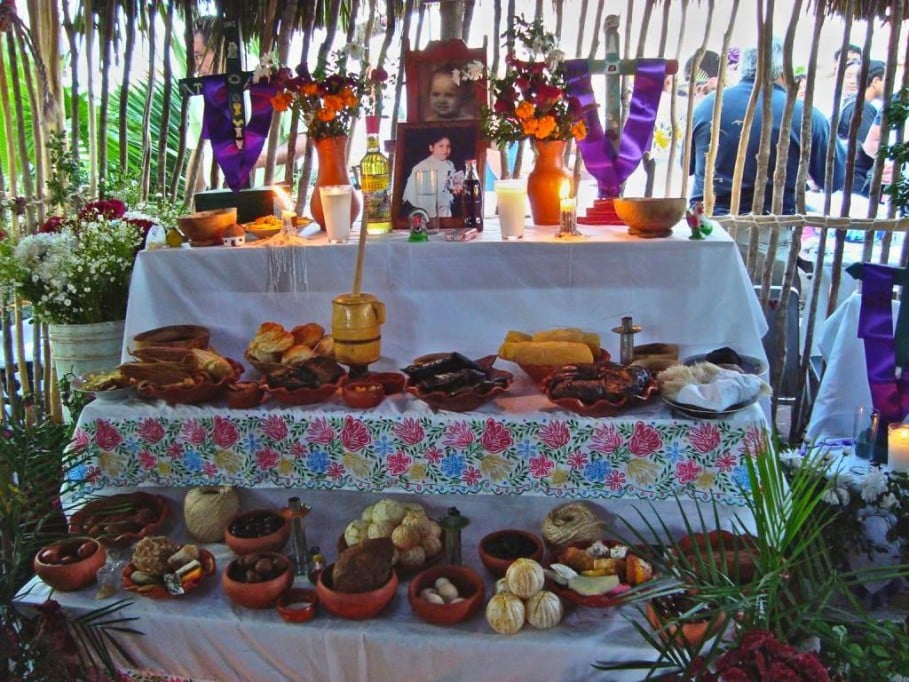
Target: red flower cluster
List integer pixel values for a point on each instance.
(761, 656)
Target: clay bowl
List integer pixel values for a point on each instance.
(499, 549)
(538, 373)
(392, 382)
(354, 605)
(176, 335)
(470, 588)
(298, 605)
(257, 521)
(257, 595)
(244, 395)
(84, 556)
(664, 615)
(204, 228)
(720, 551)
(650, 217)
(120, 520)
(363, 394)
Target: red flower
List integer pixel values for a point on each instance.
(52, 224)
(399, 463)
(458, 436)
(645, 440)
(615, 479)
(704, 437)
(320, 432)
(147, 460)
(378, 75)
(496, 437)
(555, 434)
(687, 471)
(606, 439)
(726, 461)
(472, 476)
(335, 471)
(80, 441)
(224, 433)
(151, 431)
(275, 427)
(577, 460)
(192, 432)
(433, 455)
(540, 467)
(354, 435)
(174, 451)
(410, 431)
(106, 436)
(267, 458)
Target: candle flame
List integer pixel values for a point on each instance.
(565, 189)
(282, 194)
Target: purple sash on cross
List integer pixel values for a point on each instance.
(889, 394)
(611, 168)
(217, 126)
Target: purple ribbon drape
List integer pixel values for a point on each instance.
(217, 126)
(611, 168)
(889, 394)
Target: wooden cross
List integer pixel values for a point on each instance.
(237, 81)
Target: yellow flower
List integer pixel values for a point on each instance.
(285, 466)
(356, 464)
(227, 460)
(705, 480)
(110, 463)
(558, 477)
(163, 468)
(545, 126)
(418, 472)
(495, 467)
(524, 111)
(642, 471)
(325, 115)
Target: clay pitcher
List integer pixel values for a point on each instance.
(356, 327)
(332, 153)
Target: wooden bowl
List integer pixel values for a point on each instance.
(363, 394)
(471, 589)
(354, 605)
(298, 605)
(120, 520)
(204, 228)
(79, 572)
(259, 595)
(270, 542)
(524, 543)
(652, 216)
(176, 335)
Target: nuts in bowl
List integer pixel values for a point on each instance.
(260, 530)
(257, 580)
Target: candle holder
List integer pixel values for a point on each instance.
(568, 217)
(626, 332)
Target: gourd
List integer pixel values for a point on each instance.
(544, 610)
(524, 578)
(505, 613)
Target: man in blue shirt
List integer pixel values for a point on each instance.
(735, 102)
(870, 98)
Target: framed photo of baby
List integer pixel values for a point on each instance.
(445, 82)
(429, 170)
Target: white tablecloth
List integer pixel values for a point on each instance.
(462, 296)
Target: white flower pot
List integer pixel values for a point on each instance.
(80, 348)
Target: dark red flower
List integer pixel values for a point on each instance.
(303, 72)
(20, 205)
(378, 75)
(52, 224)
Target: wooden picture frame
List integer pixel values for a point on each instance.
(413, 143)
(432, 94)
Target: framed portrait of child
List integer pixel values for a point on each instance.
(429, 170)
(445, 82)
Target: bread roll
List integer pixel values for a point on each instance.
(326, 346)
(308, 334)
(271, 338)
(296, 354)
(591, 339)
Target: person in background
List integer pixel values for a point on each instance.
(735, 103)
(705, 80)
(446, 100)
(439, 151)
(870, 102)
(801, 81)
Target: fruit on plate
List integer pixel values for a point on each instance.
(599, 569)
(273, 345)
(553, 347)
(414, 535)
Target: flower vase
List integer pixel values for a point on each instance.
(332, 155)
(548, 182)
(80, 348)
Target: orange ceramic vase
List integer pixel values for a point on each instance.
(548, 182)
(332, 156)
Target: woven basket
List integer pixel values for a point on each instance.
(207, 509)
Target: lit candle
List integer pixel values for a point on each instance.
(568, 215)
(898, 447)
(287, 218)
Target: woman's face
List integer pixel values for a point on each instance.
(203, 56)
(441, 149)
(443, 96)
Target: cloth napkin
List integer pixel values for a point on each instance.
(725, 389)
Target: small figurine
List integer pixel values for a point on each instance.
(698, 222)
(418, 221)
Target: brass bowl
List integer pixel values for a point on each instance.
(204, 228)
(650, 217)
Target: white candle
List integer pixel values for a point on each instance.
(511, 196)
(898, 447)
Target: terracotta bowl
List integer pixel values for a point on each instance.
(298, 605)
(204, 228)
(470, 588)
(120, 520)
(244, 395)
(363, 394)
(522, 542)
(176, 335)
(539, 372)
(80, 569)
(693, 632)
(273, 541)
(354, 605)
(730, 554)
(652, 216)
(258, 595)
(392, 382)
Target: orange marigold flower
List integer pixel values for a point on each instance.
(350, 99)
(333, 102)
(529, 126)
(282, 101)
(545, 126)
(325, 114)
(579, 130)
(524, 111)
(309, 89)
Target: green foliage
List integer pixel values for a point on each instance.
(67, 175)
(865, 651)
(899, 152)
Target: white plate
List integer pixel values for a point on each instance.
(113, 394)
(696, 412)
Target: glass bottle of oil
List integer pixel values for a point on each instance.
(375, 180)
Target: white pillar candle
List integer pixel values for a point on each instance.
(898, 447)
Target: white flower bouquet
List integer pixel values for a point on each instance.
(77, 270)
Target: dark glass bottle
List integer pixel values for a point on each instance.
(472, 198)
